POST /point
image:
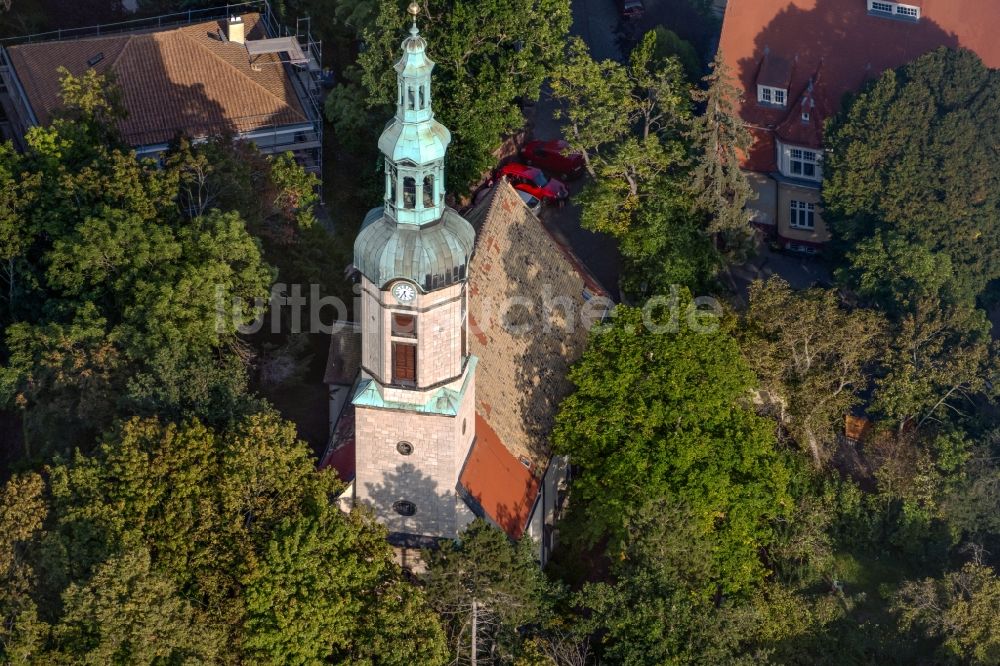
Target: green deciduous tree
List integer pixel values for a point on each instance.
(596, 97)
(662, 412)
(668, 43)
(812, 356)
(22, 513)
(962, 610)
(632, 122)
(177, 542)
(127, 613)
(490, 56)
(116, 273)
(486, 588)
(941, 356)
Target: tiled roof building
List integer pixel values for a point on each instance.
(440, 409)
(794, 61)
(531, 305)
(192, 79)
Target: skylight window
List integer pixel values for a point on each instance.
(893, 10)
(771, 95)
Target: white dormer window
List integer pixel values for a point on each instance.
(771, 95)
(803, 163)
(893, 10)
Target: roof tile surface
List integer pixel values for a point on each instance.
(530, 316)
(498, 483)
(838, 46)
(182, 79)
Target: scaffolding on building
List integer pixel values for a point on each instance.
(304, 70)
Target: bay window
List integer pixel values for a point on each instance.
(804, 163)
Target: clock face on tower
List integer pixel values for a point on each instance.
(404, 292)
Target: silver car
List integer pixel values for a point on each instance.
(532, 202)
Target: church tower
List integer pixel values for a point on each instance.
(415, 403)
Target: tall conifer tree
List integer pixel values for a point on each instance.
(719, 136)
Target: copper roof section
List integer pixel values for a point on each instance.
(849, 45)
(184, 79)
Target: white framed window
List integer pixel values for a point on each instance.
(771, 95)
(803, 215)
(804, 163)
(893, 9)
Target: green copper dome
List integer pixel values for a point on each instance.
(433, 256)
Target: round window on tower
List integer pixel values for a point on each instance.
(404, 508)
(404, 448)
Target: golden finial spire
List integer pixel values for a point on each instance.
(413, 10)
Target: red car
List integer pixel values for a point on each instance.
(631, 8)
(554, 156)
(534, 182)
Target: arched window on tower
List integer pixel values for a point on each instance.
(410, 102)
(422, 102)
(391, 188)
(399, 93)
(429, 191)
(409, 192)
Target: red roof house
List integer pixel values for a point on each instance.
(794, 61)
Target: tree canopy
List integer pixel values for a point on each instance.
(114, 271)
(910, 185)
(665, 415)
(227, 545)
(491, 57)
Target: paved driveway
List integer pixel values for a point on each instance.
(596, 22)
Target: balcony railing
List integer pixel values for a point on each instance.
(154, 23)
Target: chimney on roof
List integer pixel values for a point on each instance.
(235, 30)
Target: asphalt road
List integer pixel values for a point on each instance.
(596, 21)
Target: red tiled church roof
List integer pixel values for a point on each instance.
(521, 376)
(501, 486)
(838, 46)
(339, 453)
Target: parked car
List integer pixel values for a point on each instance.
(554, 156)
(534, 182)
(531, 201)
(631, 8)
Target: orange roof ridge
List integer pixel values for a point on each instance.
(114, 61)
(242, 75)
